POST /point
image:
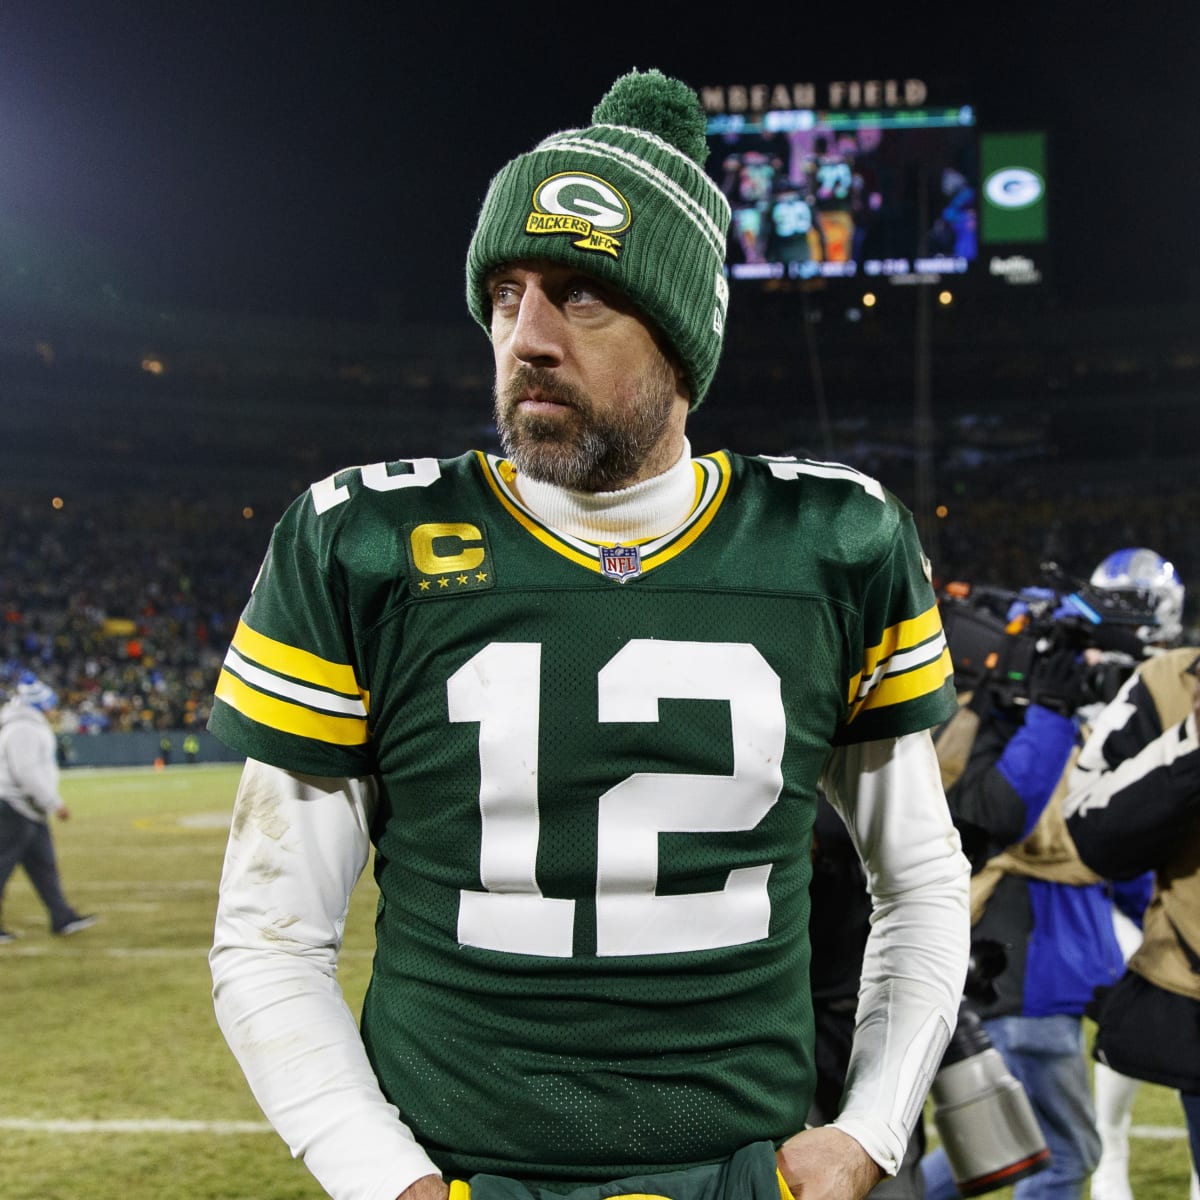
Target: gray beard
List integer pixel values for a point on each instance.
(580, 450)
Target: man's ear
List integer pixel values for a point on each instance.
(681, 383)
(682, 387)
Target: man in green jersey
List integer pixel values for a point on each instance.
(580, 699)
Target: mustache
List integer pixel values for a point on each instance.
(545, 385)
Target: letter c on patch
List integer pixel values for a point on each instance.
(466, 549)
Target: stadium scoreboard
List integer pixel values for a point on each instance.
(897, 193)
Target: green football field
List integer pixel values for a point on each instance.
(117, 1084)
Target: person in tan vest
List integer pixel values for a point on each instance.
(1134, 804)
(1030, 894)
(1149, 583)
(1006, 758)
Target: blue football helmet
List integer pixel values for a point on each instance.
(1149, 582)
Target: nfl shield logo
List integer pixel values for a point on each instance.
(620, 562)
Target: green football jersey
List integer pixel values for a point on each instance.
(598, 770)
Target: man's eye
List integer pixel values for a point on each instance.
(503, 293)
(584, 293)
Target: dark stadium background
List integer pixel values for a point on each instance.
(231, 248)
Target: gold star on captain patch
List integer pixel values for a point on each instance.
(447, 559)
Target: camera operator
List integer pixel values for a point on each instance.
(1134, 803)
(1032, 894)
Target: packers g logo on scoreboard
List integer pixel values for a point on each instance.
(1014, 187)
(447, 558)
(581, 206)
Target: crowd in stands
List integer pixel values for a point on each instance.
(126, 606)
(1002, 528)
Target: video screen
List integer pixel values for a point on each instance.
(820, 195)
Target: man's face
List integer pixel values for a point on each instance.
(585, 397)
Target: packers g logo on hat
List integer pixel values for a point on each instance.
(582, 206)
(658, 236)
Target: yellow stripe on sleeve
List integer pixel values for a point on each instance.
(296, 664)
(899, 637)
(290, 718)
(896, 689)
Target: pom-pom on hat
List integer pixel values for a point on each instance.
(33, 691)
(628, 202)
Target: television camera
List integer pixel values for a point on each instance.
(983, 1116)
(997, 636)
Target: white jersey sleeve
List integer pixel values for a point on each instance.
(889, 794)
(297, 847)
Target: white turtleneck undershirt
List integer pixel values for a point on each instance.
(643, 510)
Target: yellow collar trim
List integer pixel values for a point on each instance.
(713, 474)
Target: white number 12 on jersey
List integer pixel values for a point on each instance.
(500, 688)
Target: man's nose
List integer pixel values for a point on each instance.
(539, 332)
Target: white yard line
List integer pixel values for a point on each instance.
(1141, 1133)
(159, 1125)
(1159, 1133)
(44, 950)
(146, 885)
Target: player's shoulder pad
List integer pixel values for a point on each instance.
(357, 510)
(389, 484)
(386, 490)
(829, 490)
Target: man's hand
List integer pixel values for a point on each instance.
(428, 1187)
(63, 813)
(827, 1164)
(1057, 681)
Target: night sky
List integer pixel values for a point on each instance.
(307, 159)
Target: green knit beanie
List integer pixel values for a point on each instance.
(628, 202)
